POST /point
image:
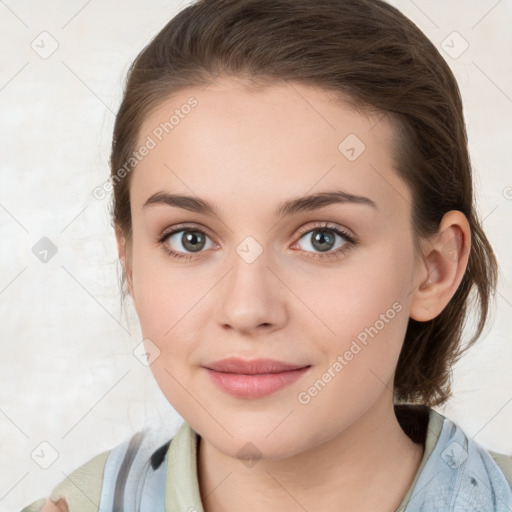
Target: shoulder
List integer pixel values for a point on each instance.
(498, 466)
(455, 469)
(504, 462)
(81, 489)
(466, 473)
(96, 481)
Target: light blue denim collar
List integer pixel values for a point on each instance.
(460, 475)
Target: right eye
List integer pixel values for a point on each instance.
(179, 241)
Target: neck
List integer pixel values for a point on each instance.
(368, 466)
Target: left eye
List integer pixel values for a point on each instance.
(324, 240)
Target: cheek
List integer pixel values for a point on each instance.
(164, 295)
(367, 314)
(373, 287)
(168, 301)
(363, 310)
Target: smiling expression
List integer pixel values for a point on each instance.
(271, 224)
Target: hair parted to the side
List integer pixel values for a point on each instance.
(371, 54)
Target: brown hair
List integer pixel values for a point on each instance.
(369, 52)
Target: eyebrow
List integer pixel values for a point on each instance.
(289, 207)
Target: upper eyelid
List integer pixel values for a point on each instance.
(185, 227)
(327, 226)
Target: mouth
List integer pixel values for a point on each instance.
(254, 379)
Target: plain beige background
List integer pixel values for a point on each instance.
(69, 378)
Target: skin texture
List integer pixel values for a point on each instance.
(246, 150)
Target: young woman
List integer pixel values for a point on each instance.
(294, 213)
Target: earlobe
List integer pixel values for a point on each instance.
(445, 258)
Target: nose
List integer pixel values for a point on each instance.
(251, 297)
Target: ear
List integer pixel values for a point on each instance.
(442, 266)
(124, 252)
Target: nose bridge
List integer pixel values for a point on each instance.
(250, 292)
(249, 263)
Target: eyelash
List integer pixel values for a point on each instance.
(350, 241)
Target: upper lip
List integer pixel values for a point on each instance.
(252, 367)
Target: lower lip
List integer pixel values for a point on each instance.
(255, 386)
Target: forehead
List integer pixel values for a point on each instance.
(260, 145)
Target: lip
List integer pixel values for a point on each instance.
(254, 378)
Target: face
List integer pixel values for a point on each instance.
(323, 285)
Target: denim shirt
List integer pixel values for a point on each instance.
(460, 475)
(144, 473)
